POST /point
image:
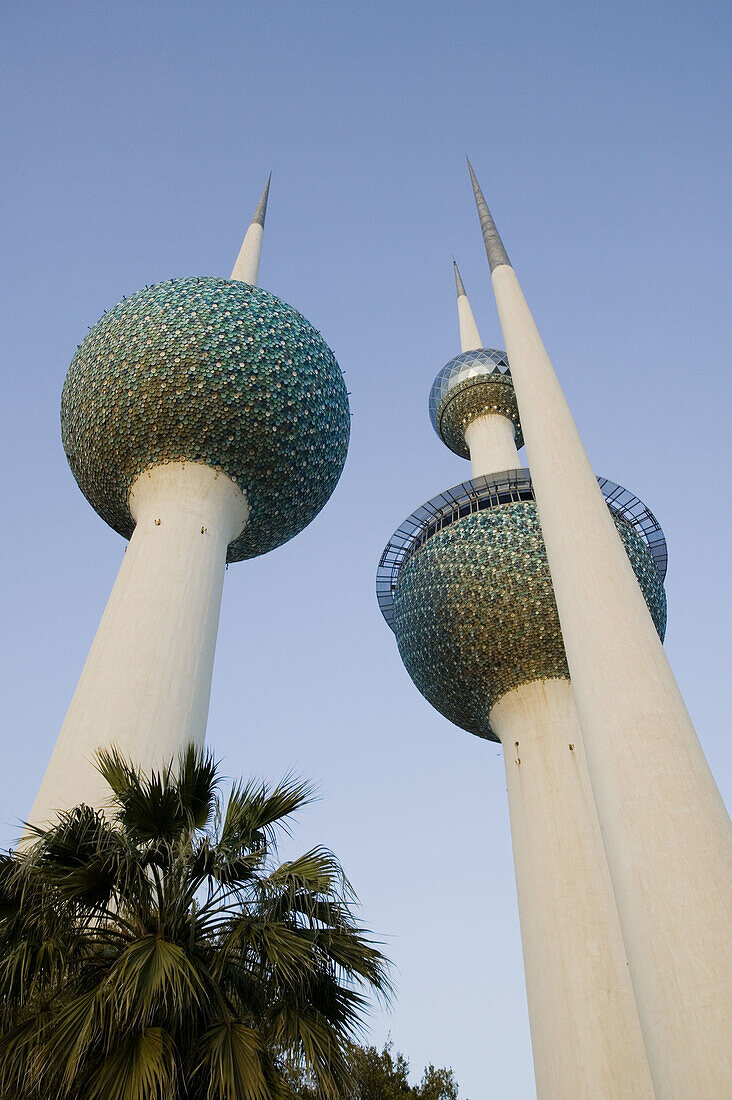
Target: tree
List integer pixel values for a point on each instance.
(381, 1075)
(158, 951)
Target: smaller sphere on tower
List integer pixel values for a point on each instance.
(475, 383)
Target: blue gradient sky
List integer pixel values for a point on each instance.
(136, 139)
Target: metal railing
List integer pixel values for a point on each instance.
(483, 493)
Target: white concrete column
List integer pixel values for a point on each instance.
(664, 825)
(491, 440)
(246, 268)
(146, 682)
(585, 1032)
(469, 335)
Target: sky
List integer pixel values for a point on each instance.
(136, 140)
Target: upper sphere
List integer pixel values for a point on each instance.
(212, 371)
(476, 383)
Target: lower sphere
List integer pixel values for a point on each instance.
(475, 616)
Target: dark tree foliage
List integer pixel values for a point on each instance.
(161, 952)
(383, 1075)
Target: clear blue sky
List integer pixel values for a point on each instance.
(136, 138)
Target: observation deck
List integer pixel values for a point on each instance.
(479, 494)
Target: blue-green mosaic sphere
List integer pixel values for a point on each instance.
(212, 371)
(475, 615)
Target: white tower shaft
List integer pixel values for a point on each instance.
(665, 828)
(469, 336)
(246, 268)
(491, 439)
(585, 1033)
(146, 683)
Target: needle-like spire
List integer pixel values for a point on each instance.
(469, 335)
(496, 253)
(261, 211)
(458, 281)
(246, 268)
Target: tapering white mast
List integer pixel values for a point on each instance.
(491, 438)
(146, 683)
(246, 268)
(469, 336)
(664, 825)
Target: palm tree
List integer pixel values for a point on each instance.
(158, 951)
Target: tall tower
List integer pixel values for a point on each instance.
(465, 585)
(206, 421)
(664, 825)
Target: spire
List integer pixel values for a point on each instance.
(469, 335)
(261, 212)
(458, 281)
(246, 268)
(496, 253)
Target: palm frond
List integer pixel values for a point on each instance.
(82, 856)
(317, 871)
(152, 973)
(19, 1045)
(148, 807)
(143, 1066)
(236, 1064)
(197, 781)
(82, 1023)
(307, 1035)
(254, 809)
(116, 769)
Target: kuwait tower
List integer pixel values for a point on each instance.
(465, 585)
(528, 607)
(206, 421)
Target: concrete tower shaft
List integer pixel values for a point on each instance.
(469, 336)
(585, 1033)
(146, 683)
(665, 829)
(246, 268)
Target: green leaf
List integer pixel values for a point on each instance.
(235, 1063)
(142, 1066)
(153, 974)
(197, 782)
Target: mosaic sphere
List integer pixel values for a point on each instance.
(473, 384)
(475, 616)
(212, 371)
